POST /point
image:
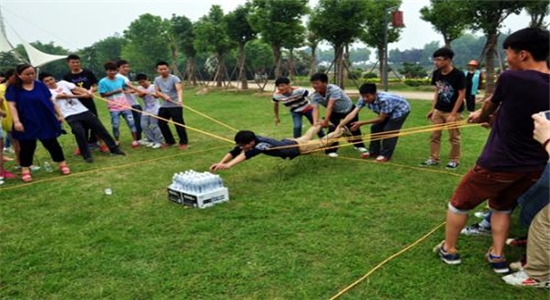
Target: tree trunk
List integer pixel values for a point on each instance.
(291, 68)
(220, 74)
(490, 63)
(339, 65)
(447, 41)
(240, 62)
(381, 60)
(313, 61)
(190, 71)
(174, 52)
(278, 60)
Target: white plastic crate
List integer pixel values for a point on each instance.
(203, 200)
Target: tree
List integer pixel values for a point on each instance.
(340, 23)
(259, 56)
(428, 51)
(488, 17)
(211, 36)
(148, 42)
(312, 41)
(538, 10)
(413, 70)
(292, 42)
(184, 36)
(240, 31)
(447, 18)
(277, 21)
(376, 26)
(96, 55)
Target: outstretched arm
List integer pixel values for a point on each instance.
(228, 161)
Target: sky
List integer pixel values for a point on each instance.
(76, 24)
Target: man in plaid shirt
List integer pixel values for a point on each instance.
(392, 112)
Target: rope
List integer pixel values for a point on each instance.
(349, 287)
(141, 162)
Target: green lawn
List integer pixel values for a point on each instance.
(300, 229)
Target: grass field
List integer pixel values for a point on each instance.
(300, 229)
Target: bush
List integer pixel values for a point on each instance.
(369, 75)
(416, 82)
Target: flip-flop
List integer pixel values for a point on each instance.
(65, 170)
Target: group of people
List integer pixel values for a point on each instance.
(507, 169)
(33, 110)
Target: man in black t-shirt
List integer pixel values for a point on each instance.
(447, 105)
(85, 79)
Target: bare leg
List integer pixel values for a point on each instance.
(455, 223)
(308, 136)
(307, 145)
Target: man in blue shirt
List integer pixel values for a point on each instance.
(392, 112)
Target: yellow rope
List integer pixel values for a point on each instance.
(349, 287)
(141, 162)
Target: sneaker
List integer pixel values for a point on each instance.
(517, 242)
(498, 263)
(361, 149)
(365, 155)
(34, 168)
(89, 159)
(7, 175)
(143, 142)
(521, 278)
(518, 265)
(8, 150)
(429, 162)
(475, 229)
(450, 258)
(332, 154)
(183, 146)
(135, 144)
(117, 151)
(452, 165)
(104, 149)
(155, 145)
(76, 152)
(382, 159)
(93, 146)
(481, 214)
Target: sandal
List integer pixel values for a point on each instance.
(64, 170)
(26, 176)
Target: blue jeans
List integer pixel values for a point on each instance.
(535, 199)
(297, 123)
(115, 121)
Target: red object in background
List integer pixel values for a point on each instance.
(397, 18)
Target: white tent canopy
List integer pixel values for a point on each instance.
(37, 58)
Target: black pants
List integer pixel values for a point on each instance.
(80, 123)
(28, 147)
(471, 102)
(136, 113)
(90, 105)
(385, 147)
(175, 114)
(335, 119)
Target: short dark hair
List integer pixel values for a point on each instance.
(532, 39)
(367, 88)
(162, 63)
(282, 80)
(244, 137)
(110, 66)
(44, 75)
(141, 76)
(121, 62)
(444, 52)
(73, 56)
(322, 77)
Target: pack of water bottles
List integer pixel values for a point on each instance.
(197, 189)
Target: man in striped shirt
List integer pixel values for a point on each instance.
(338, 105)
(392, 112)
(294, 98)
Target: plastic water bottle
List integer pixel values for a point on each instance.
(47, 167)
(108, 192)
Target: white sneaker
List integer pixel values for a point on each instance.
(361, 149)
(521, 278)
(333, 154)
(155, 145)
(143, 142)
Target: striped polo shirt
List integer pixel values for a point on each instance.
(296, 100)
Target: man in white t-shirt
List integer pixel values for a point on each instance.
(78, 116)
